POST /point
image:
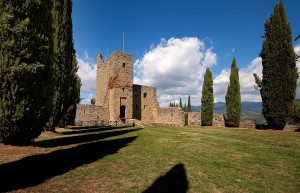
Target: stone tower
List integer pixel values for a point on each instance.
(114, 85)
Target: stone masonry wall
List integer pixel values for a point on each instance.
(120, 84)
(170, 116)
(91, 115)
(145, 104)
(194, 118)
(102, 82)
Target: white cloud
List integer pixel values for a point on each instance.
(87, 74)
(247, 82)
(175, 67)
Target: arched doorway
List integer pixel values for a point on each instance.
(122, 112)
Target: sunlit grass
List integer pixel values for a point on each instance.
(214, 160)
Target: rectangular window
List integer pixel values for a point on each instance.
(123, 64)
(145, 95)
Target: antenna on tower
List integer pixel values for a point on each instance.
(106, 53)
(123, 41)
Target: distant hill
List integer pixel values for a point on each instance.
(250, 110)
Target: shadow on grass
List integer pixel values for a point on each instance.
(88, 130)
(33, 170)
(262, 127)
(174, 181)
(80, 138)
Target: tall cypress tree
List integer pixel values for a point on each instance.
(279, 81)
(189, 107)
(233, 97)
(26, 90)
(207, 100)
(180, 103)
(64, 65)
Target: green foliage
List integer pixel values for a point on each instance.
(25, 69)
(295, 112)
(233, 98)
(207, 100)
(184, 108)
(65, 66)
(186, 119)
(180, 103)
(279, 81)
(189, 107)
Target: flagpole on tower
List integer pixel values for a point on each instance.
(123, 41)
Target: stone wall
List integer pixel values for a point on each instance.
(145, 103)
(91, 115)
(194, 118)
(218, 120)
(170, 116)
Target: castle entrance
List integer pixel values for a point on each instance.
(122, 112)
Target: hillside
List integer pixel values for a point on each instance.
(250, 110)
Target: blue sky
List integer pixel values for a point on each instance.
(173, 42)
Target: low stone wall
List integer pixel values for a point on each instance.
(91, 115)
(194, 118)
(218, 120)
(247, 124)
(170, 116)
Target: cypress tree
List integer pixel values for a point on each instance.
(180, 103)
(64, 65)
(26, 90)
(189, 107)
(207, 100)
(233, 97)
(279, 81)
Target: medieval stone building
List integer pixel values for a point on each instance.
(116, 92)
(117, 98)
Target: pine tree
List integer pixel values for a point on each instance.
(64, 65)
(279, 81)
(180, 103)
(26, 73)
(189, 107)
(233, 97)
(207, 100)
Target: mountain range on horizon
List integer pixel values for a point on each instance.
(250, 110)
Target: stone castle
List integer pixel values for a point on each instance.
(117, 98)
(119, 101)
(116, 92)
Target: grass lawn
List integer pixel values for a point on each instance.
(154, 159)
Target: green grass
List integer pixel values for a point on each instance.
(191, 159)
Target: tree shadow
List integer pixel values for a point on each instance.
(262, 127)
(174, 181)
(33, 170)
(63, 141)
(88, 130)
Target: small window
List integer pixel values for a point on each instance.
(145, 95)
(123, 64)
(123, 89)
(144, 106)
